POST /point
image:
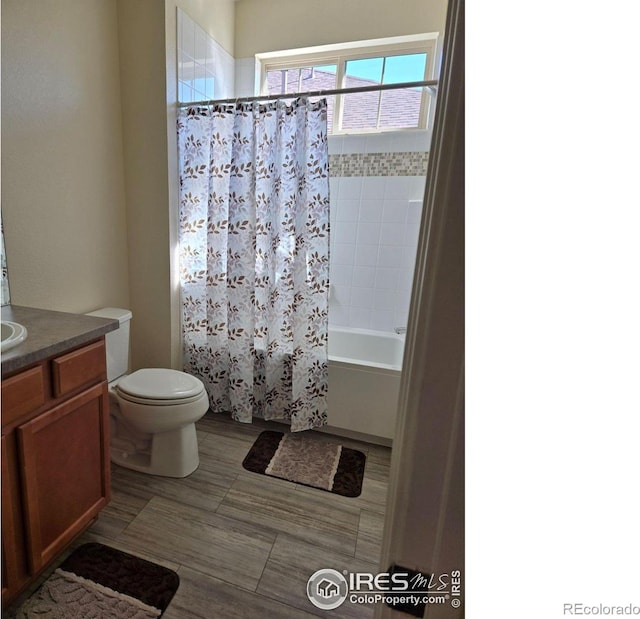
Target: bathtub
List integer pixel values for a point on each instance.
(364, 381)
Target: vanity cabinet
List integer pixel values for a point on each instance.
(14, 561)
(55, 459)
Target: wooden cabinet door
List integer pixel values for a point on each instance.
(14, 569)
(66, 472)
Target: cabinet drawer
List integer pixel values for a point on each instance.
(78, 368)
(22, 393)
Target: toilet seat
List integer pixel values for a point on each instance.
(160, 386)
(152, 402)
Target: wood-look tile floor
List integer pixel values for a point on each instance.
(245, 544)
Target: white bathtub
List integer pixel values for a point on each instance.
(364, 381)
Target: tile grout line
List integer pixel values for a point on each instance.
(264, 567)
(226, 492)
(355, 548)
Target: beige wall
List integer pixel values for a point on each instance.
(86, 84)
(143, 82)
(288, 24)
(63, 200)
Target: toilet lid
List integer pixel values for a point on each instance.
(160, 384)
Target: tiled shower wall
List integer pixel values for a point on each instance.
(377, 187)
(205, 69)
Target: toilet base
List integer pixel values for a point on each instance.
(172, 454)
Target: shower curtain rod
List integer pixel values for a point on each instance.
(430, 84)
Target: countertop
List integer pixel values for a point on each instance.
(49, 333)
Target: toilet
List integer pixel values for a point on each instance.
(153, 410)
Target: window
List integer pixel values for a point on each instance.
(384, 61)
(303, 79)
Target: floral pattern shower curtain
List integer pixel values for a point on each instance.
(254, 257)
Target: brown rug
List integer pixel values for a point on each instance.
(308, 461)
(98, 581)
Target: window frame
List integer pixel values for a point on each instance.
(339, 54)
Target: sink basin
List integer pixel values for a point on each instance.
(12, 334)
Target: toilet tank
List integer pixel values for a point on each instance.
(117, 341)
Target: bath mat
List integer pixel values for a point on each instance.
(99, 582)
(308, 461)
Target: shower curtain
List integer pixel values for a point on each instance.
(254, 257)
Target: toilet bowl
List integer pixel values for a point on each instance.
(159, 408)
(153, 410)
